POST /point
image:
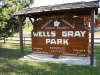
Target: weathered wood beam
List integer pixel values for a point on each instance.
(92, 36)
(31, 20)
(21, 36)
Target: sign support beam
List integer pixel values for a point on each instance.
(31, 21)
(92, 36)
(21, 36)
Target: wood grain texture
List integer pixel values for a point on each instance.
(70, 37)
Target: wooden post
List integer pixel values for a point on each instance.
(92, 36)
(21, 36)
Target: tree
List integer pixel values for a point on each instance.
(8, 22)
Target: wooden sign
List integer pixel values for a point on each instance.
(60, 36)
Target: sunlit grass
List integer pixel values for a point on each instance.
(96, 34)
(10, 65)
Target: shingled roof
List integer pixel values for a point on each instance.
(61, 7)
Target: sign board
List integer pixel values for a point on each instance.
(60, 36)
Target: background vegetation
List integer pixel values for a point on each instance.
(9, 23)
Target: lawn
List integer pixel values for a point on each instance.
(96, 34)
(10, 65)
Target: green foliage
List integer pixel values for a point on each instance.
(8, 22)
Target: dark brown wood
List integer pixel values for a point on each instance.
(31, 20)
(92, 36)
(76, 46)
(21, 36)
(86, 22)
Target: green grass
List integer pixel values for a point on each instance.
(10, 65)
(96, 34)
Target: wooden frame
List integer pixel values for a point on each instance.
(92, 36)
(84, 11)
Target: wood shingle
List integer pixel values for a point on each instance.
(60, 7)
